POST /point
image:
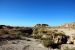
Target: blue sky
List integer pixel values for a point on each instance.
(31, 12)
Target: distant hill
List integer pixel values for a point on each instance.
(68, 25)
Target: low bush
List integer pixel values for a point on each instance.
(47, 42)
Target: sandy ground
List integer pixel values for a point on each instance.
(68, 31)
(23, 45)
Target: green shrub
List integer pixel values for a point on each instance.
(60, 33)
(2, 31)
(36, 36)
(47, 41)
